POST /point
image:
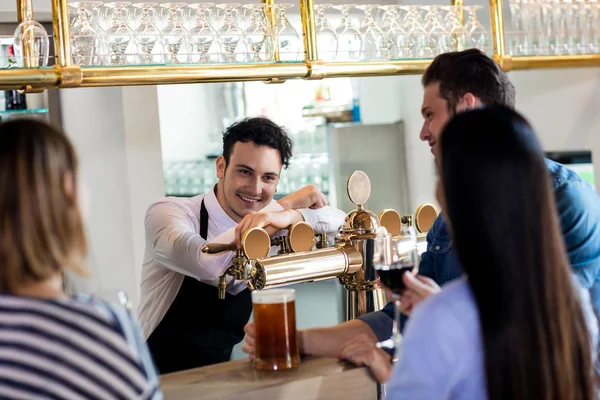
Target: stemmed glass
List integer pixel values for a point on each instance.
(229, 33)
(392, 257)
(394, 37)
(327, 41)
(86, 37)
(438, 36)
(417, 38)
(119, 34)
(288, 39)
(174, 34)
(372, 36)
(146, 34)
(202, 34)
(475, 32)
(349, 38)
(258, 32)
(458, 38)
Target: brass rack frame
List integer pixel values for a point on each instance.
(66, 75)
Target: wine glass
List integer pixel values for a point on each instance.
(372, 36)
(119, 34)
(349, 38)
(476, 33)
(458, 37)
(257, 31)
(85, 35)
(394, 43)
(202, 34)
(229, 33)
(288, 39)
(327, 41)
(392, 257)
(174, 34)
(417, 38)
(438, 36)
(146, 34)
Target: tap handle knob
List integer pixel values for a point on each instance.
(216, 248)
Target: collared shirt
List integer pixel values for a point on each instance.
(441, 355)
(174, 249)
(578, 207)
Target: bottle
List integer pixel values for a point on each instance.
(12, 98)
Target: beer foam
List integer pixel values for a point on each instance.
(273, 296)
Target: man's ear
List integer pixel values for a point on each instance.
(221, 165)
(469, 102)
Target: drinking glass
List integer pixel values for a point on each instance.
(327, 41)
(477, 34)
(119, 34)
(258, 32)
(202, 34)
(288, 39)
(275, 323)
(31, 44)
(229, 33)
(392, 257)
(147, 34)
(394, 43)
(417, 38)
(349, 38)
(372, 36)
(174, 35)
(458, 38)
(438, 35)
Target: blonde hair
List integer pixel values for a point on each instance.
(42, 231)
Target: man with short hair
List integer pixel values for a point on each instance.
(456, 82)
(184, 321)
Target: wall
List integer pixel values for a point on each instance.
(115, 132)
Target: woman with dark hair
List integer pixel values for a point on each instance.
(518, 326)
(52, 345)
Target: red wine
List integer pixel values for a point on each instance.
(392, 278)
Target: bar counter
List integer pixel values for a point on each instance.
(316, 378)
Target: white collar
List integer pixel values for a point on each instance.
(216, 213)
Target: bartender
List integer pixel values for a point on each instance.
(185, 323)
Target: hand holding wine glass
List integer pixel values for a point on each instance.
(392, 257)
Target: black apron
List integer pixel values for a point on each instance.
(199, 329)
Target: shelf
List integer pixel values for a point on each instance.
(567, 61)
(31, 111)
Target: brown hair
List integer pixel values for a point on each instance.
(42, 231)
(470, 71)
(536, 342)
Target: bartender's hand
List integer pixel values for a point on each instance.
(362, 351)
(272, 222)
(418, 288)
(249, 345)
(309, 196)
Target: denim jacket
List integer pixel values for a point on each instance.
(578, 207)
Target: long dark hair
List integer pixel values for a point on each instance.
(502, 213)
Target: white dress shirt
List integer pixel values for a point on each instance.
(174, 249)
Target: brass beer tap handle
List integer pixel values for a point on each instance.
(216, 248)
(222, 286)
(322, 242)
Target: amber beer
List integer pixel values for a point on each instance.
(275, 322)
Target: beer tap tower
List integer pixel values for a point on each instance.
(350, 258)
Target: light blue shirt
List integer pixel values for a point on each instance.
(441, 354)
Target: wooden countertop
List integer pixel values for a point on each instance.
(316, 378)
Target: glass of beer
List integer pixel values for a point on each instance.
(275, 322)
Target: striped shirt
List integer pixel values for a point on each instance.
(75, 348)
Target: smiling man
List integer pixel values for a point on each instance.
(185, 323)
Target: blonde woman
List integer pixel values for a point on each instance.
(52, 345)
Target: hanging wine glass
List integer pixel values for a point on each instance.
(147, 34)
(174, 34)
(86, 38)
(229, 33)
(438, 36)
(327, 41)
(288, 39)
(30, 43)
(458, 38)
(475, 32)
(394, 37)
(202, 34)
(417, 38)
(258, 31)
(372, 36)
(349, 38)
(118, 35)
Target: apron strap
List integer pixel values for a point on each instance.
(203, 221)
